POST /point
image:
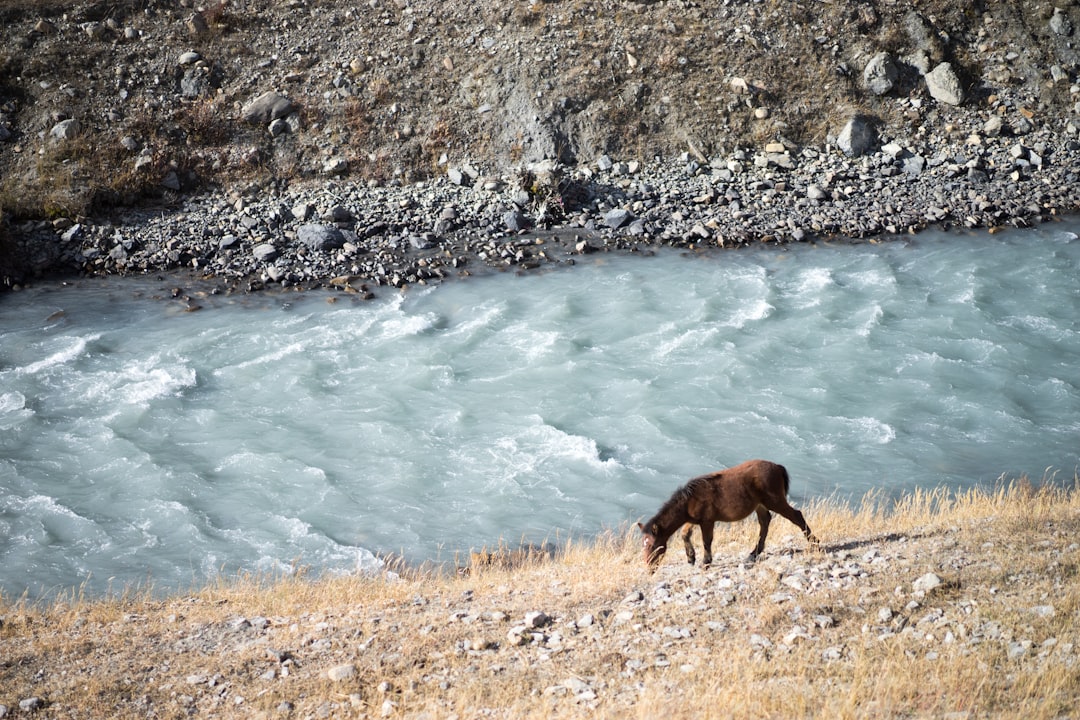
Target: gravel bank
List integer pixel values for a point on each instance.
(358, 237)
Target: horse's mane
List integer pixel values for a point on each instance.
(677, 501)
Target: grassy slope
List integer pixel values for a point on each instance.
(984, 646)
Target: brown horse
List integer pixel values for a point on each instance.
(727, 495)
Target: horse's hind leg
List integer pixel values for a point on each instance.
(763, 518)
(796, 517)
(687, 530)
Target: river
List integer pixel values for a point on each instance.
(141, 445)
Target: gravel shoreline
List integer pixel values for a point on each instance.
(357, 237)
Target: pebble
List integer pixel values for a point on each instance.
(339, 673)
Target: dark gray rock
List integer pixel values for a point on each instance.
(264, 253)
(268, 106)
(515, 221)
(618, 217)
(320, 237)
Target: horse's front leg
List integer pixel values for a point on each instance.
(687, 530)
(706, 541)
(763, 518)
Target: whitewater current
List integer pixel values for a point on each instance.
(142, 445)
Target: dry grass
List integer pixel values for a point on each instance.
(719, 640)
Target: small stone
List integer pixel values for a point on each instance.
(927, 582)
(537, 619)
(189, 58)
(339, 673)
(31, 704)
(1060, 23)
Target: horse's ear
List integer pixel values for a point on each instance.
(641, 527)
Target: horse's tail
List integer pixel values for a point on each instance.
(787, 479)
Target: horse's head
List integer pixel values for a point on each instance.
(653, 553)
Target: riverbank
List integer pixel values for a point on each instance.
(942, 605)
(418, 141)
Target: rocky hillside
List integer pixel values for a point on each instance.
(113, 103)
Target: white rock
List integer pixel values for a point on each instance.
(338, 673)
(927, 582)
(944, 86)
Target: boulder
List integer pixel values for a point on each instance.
(879, 75)
(268, 106)
(857, 137)
(944, 85)
(65, 129)
(618, 217)
(320, 237)
(264, 252)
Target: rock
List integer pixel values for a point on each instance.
(320, 237)
(944, 85)
(927, 582)
(1060, 24)
(515, 221)
(335, 166)
(65, 129)
(914, 165)
(171, 181)
(814, 192)
(75, 232)
(278, 127)
(880, 74)
(302, 211)
(339, 673)
(536, 619)
(268, 106)
(264, 253)
(189, 58)
(993, 126)
(858, 136)
(618, 217)
(604, 163)
(31, 704)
